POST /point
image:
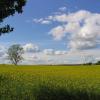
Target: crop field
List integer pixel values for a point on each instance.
(49, 82)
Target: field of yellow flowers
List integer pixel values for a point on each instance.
(49, 82)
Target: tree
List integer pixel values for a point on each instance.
(9, 8)
(15, 54)
(98, 63)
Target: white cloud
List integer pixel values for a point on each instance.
(42, 21)
(2, 51)
(29, 47)
(58, 33)
(83, 26)
(49, 18)
(54, 52)
(60, 17)
(51, 56)
(38, 20)
(63, 9)
(48, 51)
(45, 22)
(58, 52)
(88, 34)
(70, 17)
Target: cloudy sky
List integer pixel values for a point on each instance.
(55, 32)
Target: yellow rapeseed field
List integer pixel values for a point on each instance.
(49, 82)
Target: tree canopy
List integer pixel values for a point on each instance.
(9, 8)
(15, 53)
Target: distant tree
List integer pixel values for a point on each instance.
(15, 54)
(9, 8)
(98, 63)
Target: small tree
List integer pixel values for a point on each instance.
(15, 54)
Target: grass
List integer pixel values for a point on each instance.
(49, 82)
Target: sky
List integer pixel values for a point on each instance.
(55, 32)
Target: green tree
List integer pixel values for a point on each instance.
(98, 63)
(9, 8)
(15, 54)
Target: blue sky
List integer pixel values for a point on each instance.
(32, 32)
(33, 26)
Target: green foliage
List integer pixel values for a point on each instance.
(9, 8)
(98, 63)
(49, 82)
(15, 54)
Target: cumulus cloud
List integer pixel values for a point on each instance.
(3, 54)
(58, 52)
(48, 51)
(54, 52)
(87, 33)
(83, 27)
(58, 33)
(29, 47)
(51, 56)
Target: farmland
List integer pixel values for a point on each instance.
(49, 82)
